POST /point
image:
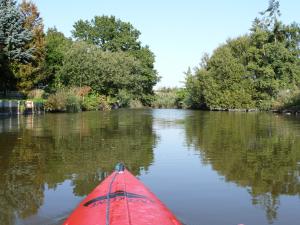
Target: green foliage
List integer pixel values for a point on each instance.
(194, 97)
(113, 35)
(56, 45)
(94, 101)
(228, 77)
(104, 103)
(30, 74)
(64, 100)
(75, 99)
(36, 94)
(108, 57)
(91, 102)
(107, 73)
(13, 41)
(249, 71)
(289, 100)
(108, 33)
(123, 98)
(169, 98)
(135, 104)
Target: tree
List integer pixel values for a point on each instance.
(250, 71)
(114, 35)
(229, 86)
(56, 45)
(30, 74)
(273, 56)
(222, 81)
(271, 14)
(194, 88)
(107, 73)
(109, 33)
(14, 38)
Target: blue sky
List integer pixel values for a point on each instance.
(177, 31)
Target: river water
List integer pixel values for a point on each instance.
(209, 168)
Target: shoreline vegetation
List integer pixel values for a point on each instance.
(104, 66)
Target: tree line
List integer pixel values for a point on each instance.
(104, 56)
(259, 70)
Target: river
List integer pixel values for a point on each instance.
(209, 168)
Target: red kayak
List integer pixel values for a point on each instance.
(121, 199)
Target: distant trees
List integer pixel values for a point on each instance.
(249, 71)
(106, 56)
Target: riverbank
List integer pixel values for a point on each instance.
(9, 107)
(20, 107)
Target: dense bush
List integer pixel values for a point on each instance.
(36, 94)
(95, 101)
(169, 98)
(64, 100)
(107, 73)
(135, 104)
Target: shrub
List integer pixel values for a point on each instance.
(124, 98)
(95, 101)
(63, 100)
(73, 103)
(135, 104)
(287, 99)
(91, 102)
(36, 94)
(104, 103)
(169, 98)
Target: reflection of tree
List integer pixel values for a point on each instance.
(20, 182)
(81, 147)
(259, 151)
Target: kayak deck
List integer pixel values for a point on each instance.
(121, 199)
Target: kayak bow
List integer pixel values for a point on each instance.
(121, 199)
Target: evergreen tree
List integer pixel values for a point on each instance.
(31, 73)
(13, 42)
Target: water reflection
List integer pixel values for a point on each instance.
(49, 162)
(44, 151)
(257, 151)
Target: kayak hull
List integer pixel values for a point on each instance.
(128, 202)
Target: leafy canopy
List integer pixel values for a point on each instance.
(107, 32)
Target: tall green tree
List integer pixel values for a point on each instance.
(56, 44)
(109, 33)
(14, 38)
(250, 71)
(114, 35)
(273, 56)
(30, 74)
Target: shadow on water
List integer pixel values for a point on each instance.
(259, 152)
(40, 153)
